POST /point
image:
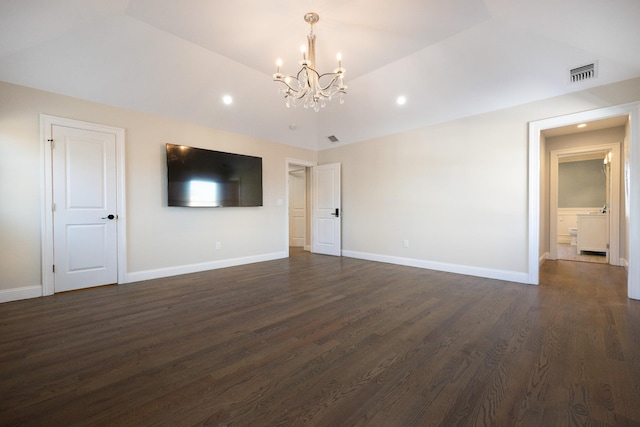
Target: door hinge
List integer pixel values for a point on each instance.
(53, 207)
(53, 268)
(51, 141)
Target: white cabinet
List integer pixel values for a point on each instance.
(592, 233)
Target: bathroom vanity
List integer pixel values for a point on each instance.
(592, 232)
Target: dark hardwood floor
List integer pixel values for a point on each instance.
(317, 340)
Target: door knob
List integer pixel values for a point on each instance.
(110, 216)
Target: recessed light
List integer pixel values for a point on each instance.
(227, 99)
(582, 125)
(401, 100)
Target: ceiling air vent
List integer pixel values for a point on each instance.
(585, 72)
(333, 139)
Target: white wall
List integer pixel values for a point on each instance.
(545, 224)
(624, 207)
(160, 240)
(457, 191)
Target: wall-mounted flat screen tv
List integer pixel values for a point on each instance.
(207, 178)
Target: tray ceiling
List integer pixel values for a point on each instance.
(450, 59)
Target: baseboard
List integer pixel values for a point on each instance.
(543, 258)
(510, 276)
(16, 294)
(625, 263)
(195, 268)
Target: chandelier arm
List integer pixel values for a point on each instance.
(292, 92)
(331, 83)
(309, 68)
(291, 88)
(303, 69)
(299, 94)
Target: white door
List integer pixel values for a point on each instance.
(297, 208)
(84, 196)
(326, 210)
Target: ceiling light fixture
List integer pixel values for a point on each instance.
(309, 86)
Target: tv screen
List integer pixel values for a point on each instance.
(206, 178)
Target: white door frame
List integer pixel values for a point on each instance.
(288, 164)
(632, 110)
(613, 253)
(46, 123)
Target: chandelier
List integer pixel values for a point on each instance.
(308, 86)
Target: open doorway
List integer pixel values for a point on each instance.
(298, 204)
(322, 200)
(539, 221)
(298, 209)
(584, 196)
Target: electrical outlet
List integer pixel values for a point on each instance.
(406, 243)
(218, 245)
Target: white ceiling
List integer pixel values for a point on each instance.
(450, 58)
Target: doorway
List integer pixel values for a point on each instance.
(323, 204)
(298, 207)
(590, 200)
(298, 204)
(84, 223)
(538, 194)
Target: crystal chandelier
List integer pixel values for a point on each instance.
(308, 86)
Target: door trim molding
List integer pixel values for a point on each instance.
(46, 123)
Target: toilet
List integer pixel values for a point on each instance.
(574, 236)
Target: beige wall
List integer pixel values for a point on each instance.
(613, 135)
(158, 237)
(457, 191)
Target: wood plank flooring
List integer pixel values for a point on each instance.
(322, 341)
